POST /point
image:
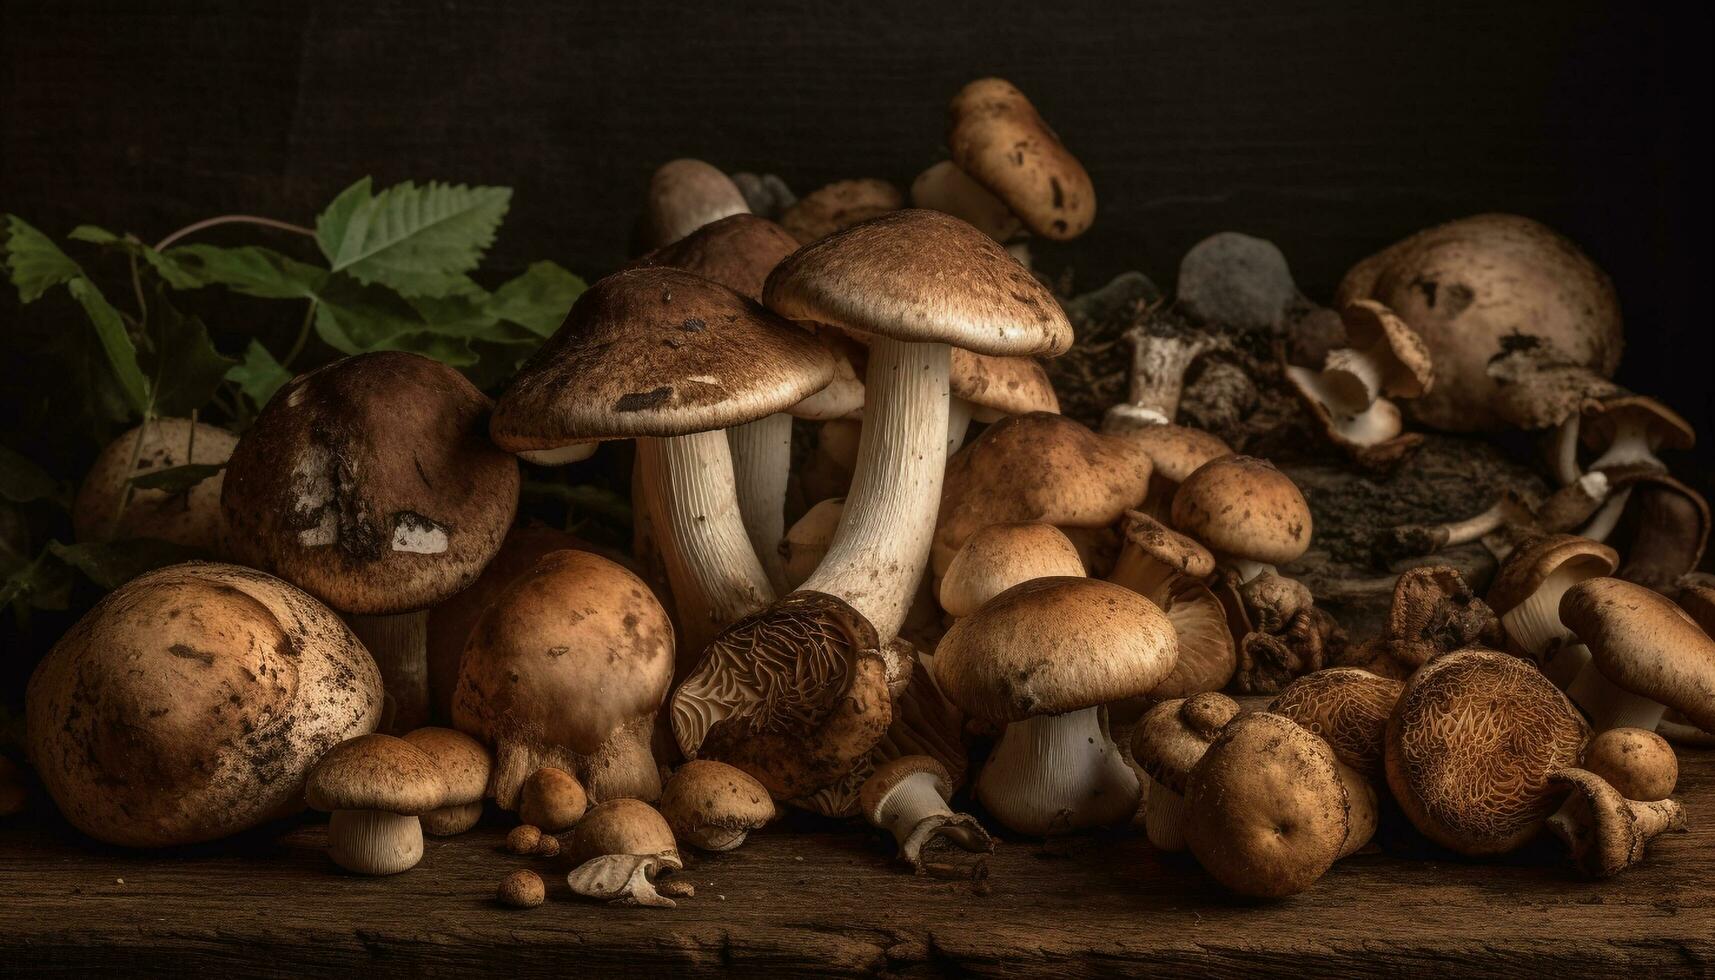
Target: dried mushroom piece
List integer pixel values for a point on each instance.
(1605, 832)
(620, 847)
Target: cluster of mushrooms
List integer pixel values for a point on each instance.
(1042, 615)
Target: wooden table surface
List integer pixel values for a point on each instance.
(819, 898)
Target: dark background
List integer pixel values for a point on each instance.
(1331, 128)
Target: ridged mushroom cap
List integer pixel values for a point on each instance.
(1348, 707)
(1002, 142)
(1244, 507)
(888, 775)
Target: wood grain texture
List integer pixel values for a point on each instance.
(826, 900)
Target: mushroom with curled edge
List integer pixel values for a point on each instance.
(713, 806)
(109, 506)
(671, 359)
(999, 140)
(907, 797)
(839, 205)
(1434, 612)
(1534, 394)
(999, 557)
(552, 799)
(1043, 658)
(1646, 656)
(1172, 571)
(567, 668)
(1637, 764)
(1167, 741)
(1626, 430)
(1660, 526)
(190, 704)
(370, 484)
(376, 787)
(1350, 396)
(619, 848)
(1472, 745)
(464, 765)
(1349, 708)
(1606, 832)
(987, 389)
(685, 195)
(1526, 593)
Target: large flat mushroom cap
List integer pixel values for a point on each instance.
(999, 139)
(376, 772)
(371, 484)
(1642, 642)
(738, 251)
(924, 276)
(1531, 564)
(658, 352)
(1243, 506)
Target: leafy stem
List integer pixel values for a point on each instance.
(303, 336)
(230, 219)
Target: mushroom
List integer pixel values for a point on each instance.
(806, 543)
(907, 797)
(1000, 141)
(838, 206)
(1267, 811)
(522, 889)
(619, 847)
(713, 806)
(1349, 396)
(1606, 832)
(1659, 524)
(1626, 430)
(944, 187)
(109, 506)
(685, 195)
(370, 484)
(673, 359)
(1247, 512)
(464, 765)
(1177, 451)
(987, 389)
(1163, 348)
(1527, 592)
(1167, 741)
(1364, 812)
(1434, 612)
(999, 557)
(567, 668)
(190, 703)
(1042, 658)
(1636, 764)
(1646, 656)
(376, 786)
(1172, 571)
(552, 799)
(1471, 746)
(1349, 708)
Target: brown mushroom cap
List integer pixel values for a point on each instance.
(191, 702)
(1407, 370)
(1267, 810)
(552, 799)
(999, 139)
(1663, 427)
(462, 761)
(622, 826)
(999, 557)
(1538, 559)
(738, 251)
(1698, 601)
(1151, 539)
(1637, 763)
(944, 187)
(191, 518)
(1470, 748)
(657, 352)
(917, 275)
(376, 772)
(1178, 450)
(838, 206)
(1606, 832)
(371, 484)
(1170, 737)
(1054, 645)
(1642, 642)
(1433, 612)
(1244, 507)
(1348, 707)
(685, 195)
(713, 805)
(999, 386)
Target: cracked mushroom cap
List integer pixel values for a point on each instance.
(191, 518)
(999, 557)
(1471, 746)
(1608, 833)
(371, 484)
(1349, 708)
(999, 139)
(1267, 811)
(657, 352)
(1244, 507)
(1406, 368)
(1544, 562)
(1663, 427)
(838, 206)
(1173, 735)
(1000, 386)
(1052, 646)
(738, 251)
(921, 276)
(1638, 763)
(191, 702)
(1037, 467)
(622, 826)
(944, 187)
(713, 806)
(685, 195)
(462, 761)
(376, 772)
(1640, 641)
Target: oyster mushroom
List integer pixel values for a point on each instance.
(999, 557)
(1645, 656)
(464, 765)
(1527, 592)
(907, 797)
(1000, 141)
(376, 787)
(1627, 430)
(685, 195)
(1659, 524)
(1349, 708)
(838, 206)
(713, 806)
(1166, 743)
(619, 848)
(108, 506)
(1606, 832)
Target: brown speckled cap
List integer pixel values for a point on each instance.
(462, 761)
(1170, 737)
(738, 252)
(1640, 641)
(1000, 140)
(376, 772)
(1244, 507)
(370, 484)
(999, 386)
(658, 352)
(1177, 450)
(1531, 564)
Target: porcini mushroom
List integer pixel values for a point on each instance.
(907, 797)
(685, 195)
(1167, 741)
(619, 847)
(552, 799)
(464, 765)
(376, 786)
(998, 138)
(838, 206)
(108, 506)
(371, 485)
(999, 557)
(1526, 593)
(1645, 656)
(1606, 832)
(713, 806)
(1349, 708)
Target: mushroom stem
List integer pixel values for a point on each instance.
(694, 510)
(1612, 706)
(1056, 774)
(761, 464)
(400, 646)
(1534, 624)
(881, 547)
(1563, 450)
(1630, 445)
(623, 766)
(914, 800)
(1608, 517)
(372, 842)
(1158, 366)
(1164, 817)
(958, 423)
(1353, 377)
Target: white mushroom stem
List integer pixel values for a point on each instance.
(399, 645)
(1608, 517)
(912, 801)
(958, 423)
(761, 464)
(1612, 706)
(881, 547)
(1353, 377)
(1158, 366)
(1630, 445)
(1164, 817)
(1534, 624)
(372, 842)
(577, 452)
(1056, 774)
(1563, 450)
(694, 511)
(1245, 569)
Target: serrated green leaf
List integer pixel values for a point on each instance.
(539, 299)
(111, 564)
(94, 235)
(184, 367)
(115, 342)
(34, 263)
(167, 268)
(250, 270)
(418, 240)
(22, 481)
(176, 479)
(352, 318)
(259, 375)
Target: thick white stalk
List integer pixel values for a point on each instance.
(693, 509)
(1629, 447)
(914, 800)
(1563, 450)
(881, 547)
(1534, 624)
(1164, 817)
(1353, 377)
(399, 645)
(1612, 706)
(761, 463)
(371, 842)
(1058, 774)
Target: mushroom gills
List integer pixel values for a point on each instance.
(1164, 817)
(1057, 774)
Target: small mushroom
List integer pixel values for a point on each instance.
(1244, 510)
(1349, 708)
(907, 797)
(1177, 451)
(1386, 358)
(713, 806)
(1646, 656)
(1606, 832)
(685, 195)
(524, 839)
(1166, 743)
(999, 557)
(1526, 593)
(838, 206)
(999, 139)
(1627, 430)
(1163, 349)
(464, 765)
(1172, 571)
(109, 506)
(987, 389)
(522, 889)
(552, 799)
(944, 187)
(620, 846)
(376, 786)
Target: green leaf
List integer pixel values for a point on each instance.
(418, 240)
(250, 270)
(453, 351)
(168, 269)
(539, 299)
(352, 319)
(115, 342)
(111, 564)
(92, 234)
(22, 481)
(259, 375)
(34, 263)
(176, 479)
(184, 364)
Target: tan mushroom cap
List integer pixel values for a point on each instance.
(376, 772)
(838, 206)
(1471, 746)
(191, 519)
(999, 139)
(1173, 735)
(371, 484)
(738, 251)
(1698, 601)
(552, 799)
(999, 557)
(806, 541)
(944, 187)
(1535, 561)
(1178, 450)
(1638, 763)
(622, 826)
(1160, 543)
(923, 276)
(657, 352)
(1408, 370)
(1642, 642)
(462, 761)
(1664, 428)
(1244, 507)
(713, 805)
(1609, 833)
(1348, 707)
(999, 386)
(685, 195)
(1207, 655)
(1052, 646)
(888, 775)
